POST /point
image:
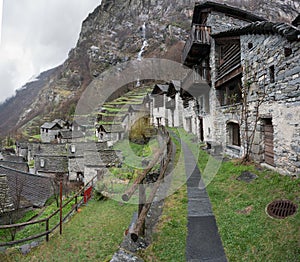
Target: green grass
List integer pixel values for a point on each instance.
(247, 232)
(34, 229)
(94, 234)
(169, 239)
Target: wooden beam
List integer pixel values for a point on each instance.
(229, 76)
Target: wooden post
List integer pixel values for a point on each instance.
(76, 205)
(142, 202)
(47, 229)
(60, 207)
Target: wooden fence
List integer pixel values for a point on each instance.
(137, 227)
(48, 230)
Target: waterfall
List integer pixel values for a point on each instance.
(145, 44)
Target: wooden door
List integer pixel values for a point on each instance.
(269, 142)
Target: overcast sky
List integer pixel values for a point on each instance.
(37, 35)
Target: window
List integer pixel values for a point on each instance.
(287, 51)
(233, 130)
(42, 162)
(272, 74)
(250, 45)
(73, 149)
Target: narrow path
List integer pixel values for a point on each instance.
(203, 240)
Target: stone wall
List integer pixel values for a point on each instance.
(281, 96)
(273, 76)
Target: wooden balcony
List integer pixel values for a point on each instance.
(197, 45)
(196, 78)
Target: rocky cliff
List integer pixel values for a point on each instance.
(114, 33)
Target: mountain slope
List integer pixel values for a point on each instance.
(114, 33)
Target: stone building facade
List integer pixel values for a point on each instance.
(254, 83)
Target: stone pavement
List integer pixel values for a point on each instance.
(203, 240)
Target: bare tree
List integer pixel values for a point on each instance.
(248, 117)
(11, 202)
(55, 184)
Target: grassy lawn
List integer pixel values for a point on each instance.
(93, 234)
(247, 232)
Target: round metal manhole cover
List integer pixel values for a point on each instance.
(281, 208)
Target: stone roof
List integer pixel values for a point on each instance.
(112, 128)
(20, 166)
(68, 134)
(34, 188)
(81, 147)
(226, 9)
(290, 32)
(51, 125)
(51, 164)
(13, 158)
(48, 149)
(159, 89)
(61, 122)
(102, 158)
(176, 84)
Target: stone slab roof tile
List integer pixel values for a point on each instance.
(290, 32)
(34, 188)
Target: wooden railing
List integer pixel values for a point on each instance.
(137, 226)
(200, 34)
(46, 220)
(196, 76)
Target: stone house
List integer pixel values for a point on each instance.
(109, 133)
(159, 112)
(22, 150)
(49, 132)
(96, 162)
(251, 68)
(173, 104)
(269, 58)
(68, 136)
(76, 160)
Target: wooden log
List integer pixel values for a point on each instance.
(142, 216)
(128, 194)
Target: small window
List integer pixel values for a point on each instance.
(73, 149)
(250, 45)
(287, 51)
(272, 74)
(42, 162)
(234, 134)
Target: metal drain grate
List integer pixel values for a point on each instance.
(281, 208)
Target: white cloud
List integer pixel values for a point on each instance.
(37, 35)
(1, 6)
